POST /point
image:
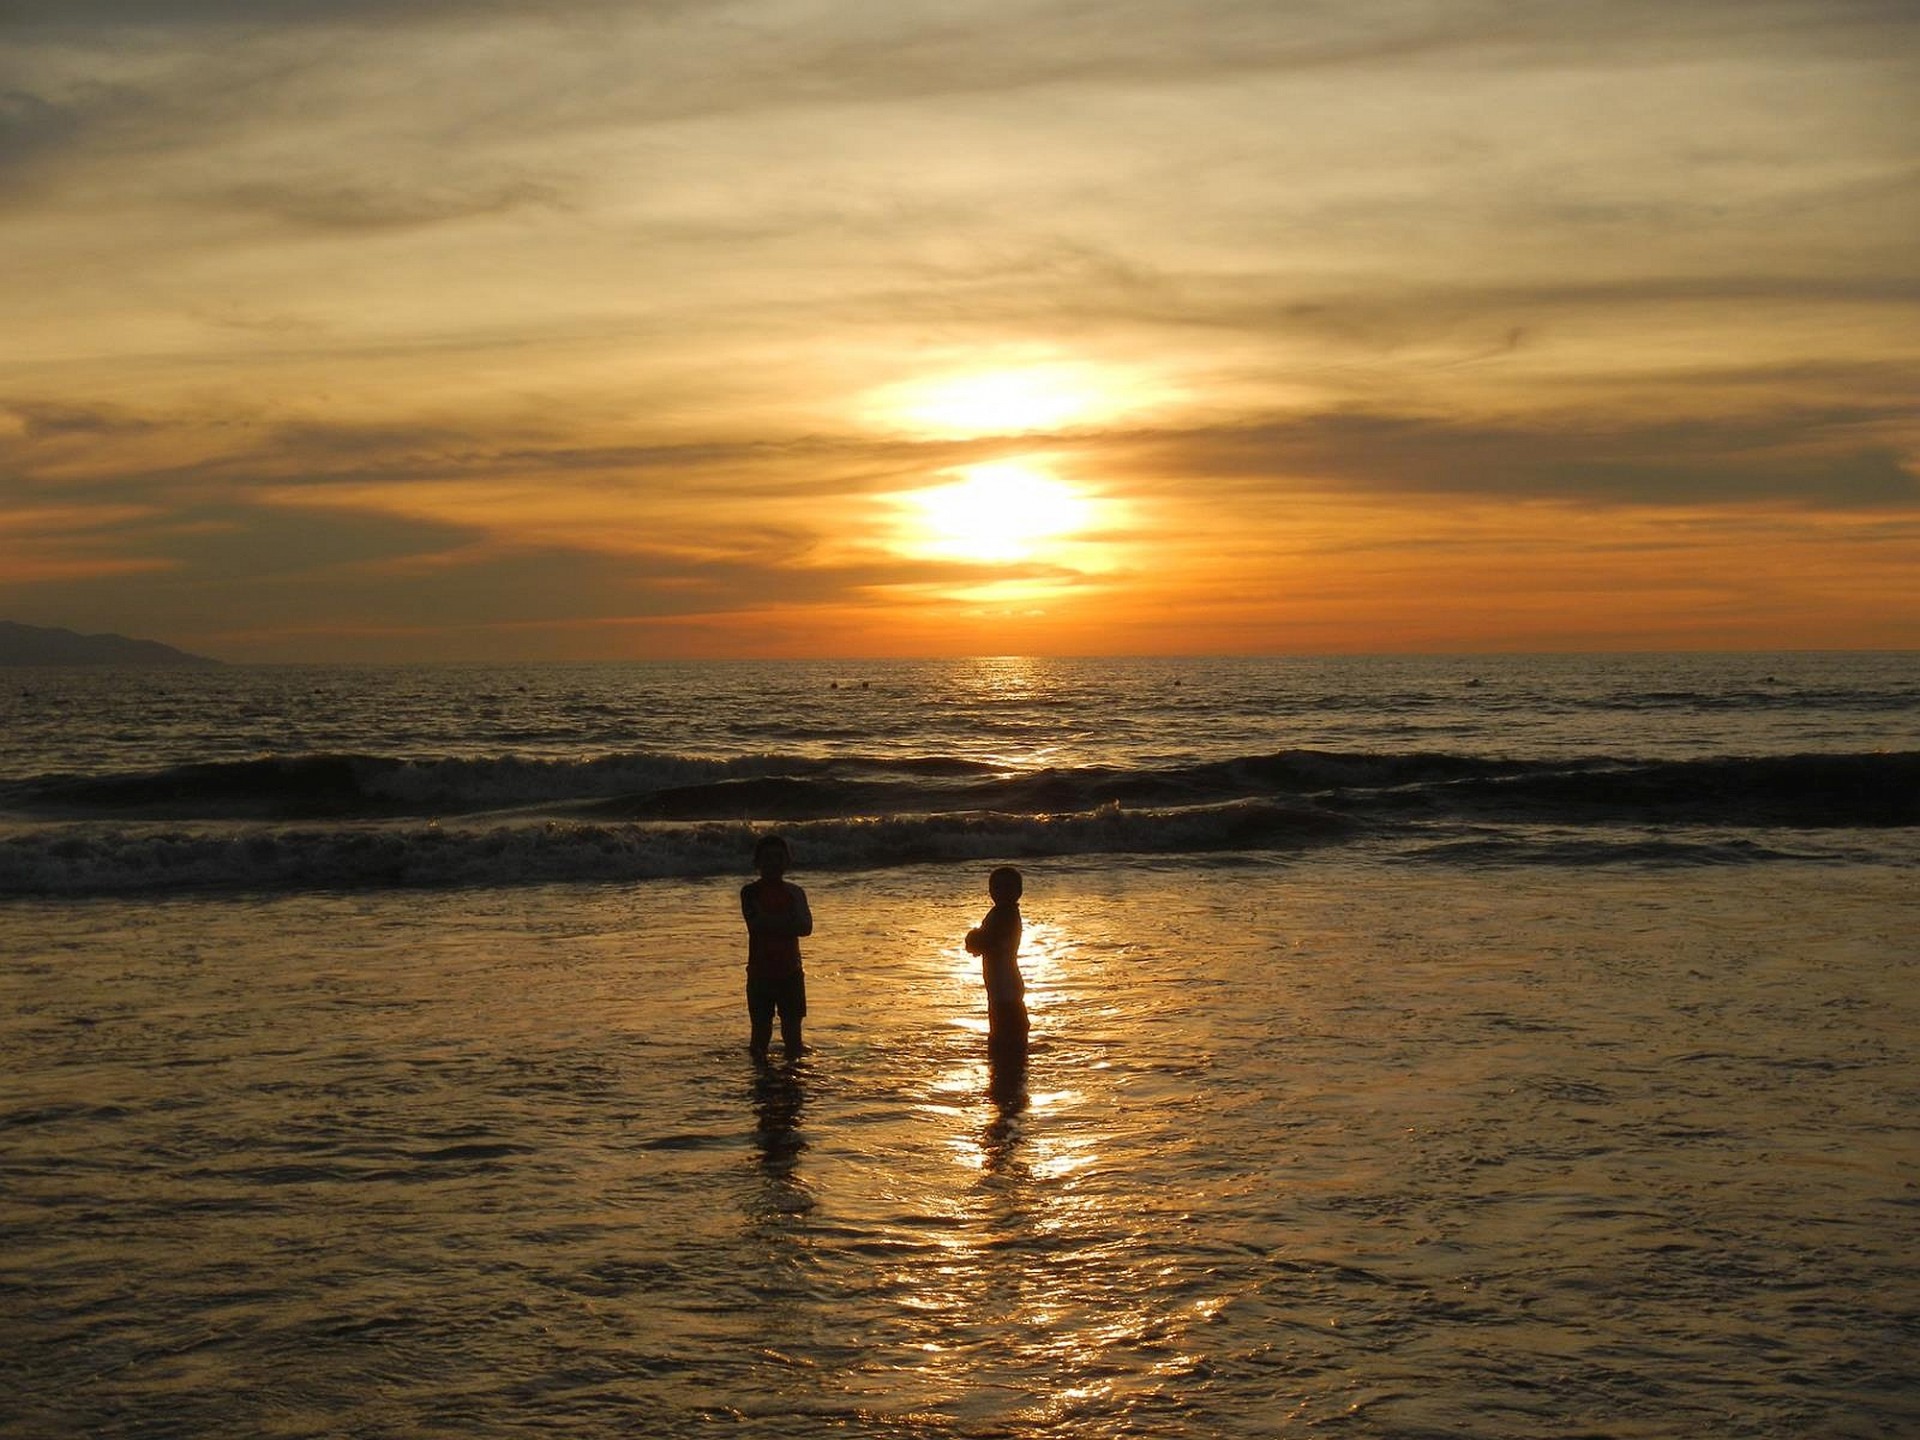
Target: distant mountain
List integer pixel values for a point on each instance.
(35, 645)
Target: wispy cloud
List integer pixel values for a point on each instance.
(365, 207)
(1814, 460)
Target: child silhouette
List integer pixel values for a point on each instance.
(777, 917)
(996, 940)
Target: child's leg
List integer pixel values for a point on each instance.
(793, 1009)
(1007, 1023)
(760, 1019)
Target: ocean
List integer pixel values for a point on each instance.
(1492, 1046)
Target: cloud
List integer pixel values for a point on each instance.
(108, 453)
(1050, 285)
(752, 126)
(43, 420)
(32, 125)
(42, 134)
(368, 207)
(1389, 309)
(1741, 449)
(1811, 460)
(286, 571)
(626, 61)
(256, 15)
(234, 542)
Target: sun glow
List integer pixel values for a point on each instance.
(995, 514)
(996, 402)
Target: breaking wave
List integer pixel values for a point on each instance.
(348, 821)
(118, 859)
(1823, 789)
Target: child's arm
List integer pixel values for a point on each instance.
(980, 936)
(759, 922)
(991, 935)
(794, 921)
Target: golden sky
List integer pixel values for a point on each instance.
(401, 329)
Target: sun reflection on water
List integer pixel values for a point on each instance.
(1044, 946)
(1022, 1300)
(1006, 676)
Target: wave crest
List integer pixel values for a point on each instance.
(350, 820)
(130, 859)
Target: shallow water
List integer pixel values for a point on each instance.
(1329, 1144)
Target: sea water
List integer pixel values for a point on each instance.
(1511, 1046)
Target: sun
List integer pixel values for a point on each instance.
(995, 514)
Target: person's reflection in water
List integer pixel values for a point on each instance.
(778, 1280)
(778, 1099)
(1007, 1089)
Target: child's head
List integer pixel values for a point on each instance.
(771, 856)
(1004, 885)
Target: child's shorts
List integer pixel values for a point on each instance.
(787, 994)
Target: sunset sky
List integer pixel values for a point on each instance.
(404, 329)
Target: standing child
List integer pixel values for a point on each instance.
(996, 940)
(777, 916)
